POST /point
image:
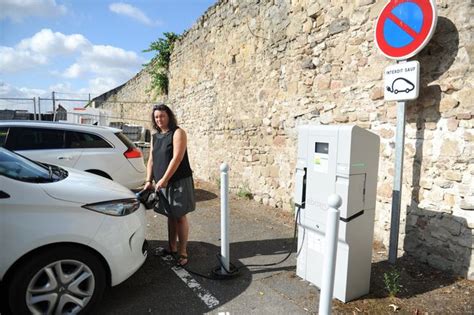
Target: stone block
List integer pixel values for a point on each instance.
(452, 124)
(337, 84)
(361, 3)
(426, 183)
(279, 141)
(454, 175)
(274, 171)
(338, 26)
(314, 10)
(326, 118)
(308, 64)
(308, 26)
(377, 93)
(447, 104)
(386, 133)
(385, 190)
(341, 118)
(450, 147)
(445, 184)
(450, 200)
(450, 224)
(469, 136)
(322, 83)
(464, 116)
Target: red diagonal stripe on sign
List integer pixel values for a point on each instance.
(402, 25)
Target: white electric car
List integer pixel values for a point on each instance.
(100, 150)
(65, 235)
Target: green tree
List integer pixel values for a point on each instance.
(159, 64)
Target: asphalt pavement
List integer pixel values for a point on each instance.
(257, 236)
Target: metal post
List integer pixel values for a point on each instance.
(225, 218)
(54, 106)
(397, 182)
(34, 109)
(329, 267)
(39, 108)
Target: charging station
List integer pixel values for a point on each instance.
(340, 159)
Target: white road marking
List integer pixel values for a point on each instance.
(202, 293)
(186, 277)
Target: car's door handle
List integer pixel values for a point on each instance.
(4, 195)
(64, 158)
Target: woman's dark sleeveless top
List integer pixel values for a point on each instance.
(162, 155)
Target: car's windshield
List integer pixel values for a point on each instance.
(20, 168)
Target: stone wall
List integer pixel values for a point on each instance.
(248, 72)
(131, 102)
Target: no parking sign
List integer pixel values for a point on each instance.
(404, 27)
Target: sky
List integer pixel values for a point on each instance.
(77, 47)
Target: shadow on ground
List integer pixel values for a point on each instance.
(155, 288)
(204, 195)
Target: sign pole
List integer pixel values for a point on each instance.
(402, 29)
(397, 182)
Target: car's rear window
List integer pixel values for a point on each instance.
(125, 140)
(89, 140)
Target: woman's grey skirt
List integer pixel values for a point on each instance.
(177, 199)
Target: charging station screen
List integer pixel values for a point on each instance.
(322, 147)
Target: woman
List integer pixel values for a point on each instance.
(168, 166)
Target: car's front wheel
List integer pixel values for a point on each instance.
(60, 280)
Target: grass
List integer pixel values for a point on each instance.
(391, 279)
(244, 192)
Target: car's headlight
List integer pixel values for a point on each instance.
(115, 207)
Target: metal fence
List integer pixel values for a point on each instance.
(74, 110)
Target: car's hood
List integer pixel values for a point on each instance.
(84, 188)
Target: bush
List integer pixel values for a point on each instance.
(160, 63)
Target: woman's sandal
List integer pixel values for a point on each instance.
(182, 260)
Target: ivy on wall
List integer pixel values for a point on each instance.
(159, 64)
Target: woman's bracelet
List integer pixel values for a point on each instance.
(149, 181)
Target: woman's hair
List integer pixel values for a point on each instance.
(172, 124)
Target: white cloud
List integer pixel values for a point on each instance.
(112, 56)
(102, 66)
(13, 60)
(101, 85)
(50, 44)
(17, 10)
(8, 90)
(133, 12)
(109, 61)
(74, 71)
(38, 50)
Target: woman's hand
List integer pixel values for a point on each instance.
(148, 186)
(162, 183)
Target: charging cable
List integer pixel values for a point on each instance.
(217, 274)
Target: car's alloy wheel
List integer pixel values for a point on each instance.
(63, 279)
(62, 287)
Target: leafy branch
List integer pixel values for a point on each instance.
(159, 64)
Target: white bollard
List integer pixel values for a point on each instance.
(225, 217)
(329, 267)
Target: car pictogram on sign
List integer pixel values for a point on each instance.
(401, 85)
